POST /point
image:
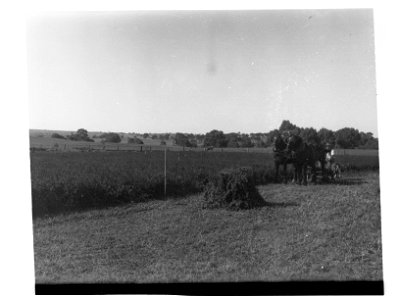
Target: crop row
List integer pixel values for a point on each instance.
(70, 181)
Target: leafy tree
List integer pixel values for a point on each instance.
(245, 141)
(310, 136)
(371, 144)
(80, 135)
(348, 138)
(193, 142)
(367, 141)
(215, 138)
(182, 140)
(326, 136)
(287, 126)
(232, 140)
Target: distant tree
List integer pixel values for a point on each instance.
(111, 137)
(368, 141)
(371, 144)
(163, 143)
(182, 140)
(245, 141)
(347, 138)
(193, 142)
(310, 136)
(80, 135)
(326, 136)
(145, 135)
(287, 126)
(215, 138)
(135, 140)
(58, 136)
(232, 140)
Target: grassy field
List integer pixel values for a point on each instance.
(316, 232)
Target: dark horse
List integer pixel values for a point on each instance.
(304, 157)
(281, 157)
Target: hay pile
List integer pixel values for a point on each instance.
(233, 189)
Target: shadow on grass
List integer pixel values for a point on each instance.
(280, 204)
(345, 181)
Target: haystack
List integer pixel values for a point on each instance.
(234, 189)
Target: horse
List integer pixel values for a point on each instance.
(303, 156)
(281, 157)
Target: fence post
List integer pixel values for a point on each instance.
(165, 172)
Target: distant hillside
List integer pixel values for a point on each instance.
(43, 137)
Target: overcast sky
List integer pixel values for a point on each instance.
(237, 71)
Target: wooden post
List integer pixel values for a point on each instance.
(165, 171)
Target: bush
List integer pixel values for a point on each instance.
(135, 140)
(111, 137)
(58, 136)
(234, 189)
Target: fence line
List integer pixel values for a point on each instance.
(89, 147)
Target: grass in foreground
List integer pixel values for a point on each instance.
(318, 232)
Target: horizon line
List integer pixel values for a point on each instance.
(173, 132)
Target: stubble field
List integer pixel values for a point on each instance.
(101, 218)
(316, 232)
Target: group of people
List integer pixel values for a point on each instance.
(289, 148)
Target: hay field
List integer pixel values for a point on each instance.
(316, 232)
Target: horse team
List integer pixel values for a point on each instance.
(306, 159)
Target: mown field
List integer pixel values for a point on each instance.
(315, 232)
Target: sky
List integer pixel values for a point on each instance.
(195, 71)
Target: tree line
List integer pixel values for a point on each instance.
(346, 138)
